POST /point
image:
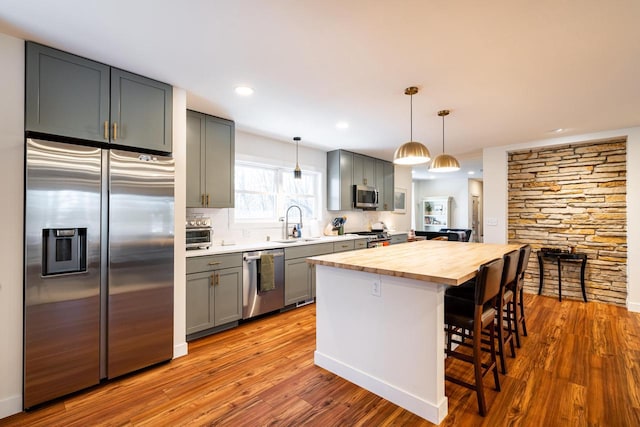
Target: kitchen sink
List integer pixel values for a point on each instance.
(304, 239)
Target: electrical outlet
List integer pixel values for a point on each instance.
(375, 288)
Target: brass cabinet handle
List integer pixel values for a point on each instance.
(213, 279)
(207, 199)
(106, 130)
(217, 281)
(344, 246)
(215, 263)
(115, 131)
(202, 199)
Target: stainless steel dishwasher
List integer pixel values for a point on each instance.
(255, 301)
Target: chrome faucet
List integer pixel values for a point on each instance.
(286, 220)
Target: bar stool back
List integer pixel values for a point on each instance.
(468, 319)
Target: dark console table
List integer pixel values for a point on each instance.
(558, 257)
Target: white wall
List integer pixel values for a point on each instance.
(260, 149)
(179, 261)
(495, 196)
(457, 188)
(11, 218)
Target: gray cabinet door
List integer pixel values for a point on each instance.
(219, 159)
(389, 186)
(141, 112)
(66, 95)
(297, 281)
(200, 303)
(228, 295)
(195, 159)
(380, 185)
(364, 170)
(339, 180)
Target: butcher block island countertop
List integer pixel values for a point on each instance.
(448, 263)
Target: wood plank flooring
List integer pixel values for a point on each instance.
(579, 366)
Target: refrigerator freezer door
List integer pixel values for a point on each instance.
(140, 305)
(62, 310)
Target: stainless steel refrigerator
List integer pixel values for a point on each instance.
(98, 265)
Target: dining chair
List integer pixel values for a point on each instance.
(468, 319)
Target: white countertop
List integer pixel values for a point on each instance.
(217, 249)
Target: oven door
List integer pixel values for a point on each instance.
(197, 238)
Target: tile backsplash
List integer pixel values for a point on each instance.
(227, 231)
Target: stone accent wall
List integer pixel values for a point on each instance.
(573, 195)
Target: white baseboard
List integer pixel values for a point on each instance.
(10, 406)
(434, 413)
(633, 306)
(180, 350)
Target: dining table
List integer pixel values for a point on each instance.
(380, 316)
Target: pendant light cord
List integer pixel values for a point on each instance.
(442, 134)
(411, 121)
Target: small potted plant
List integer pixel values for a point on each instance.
(428, 208)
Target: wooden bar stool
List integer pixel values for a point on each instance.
(468, 319)
(505, 326)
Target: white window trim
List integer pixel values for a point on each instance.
(280, 171)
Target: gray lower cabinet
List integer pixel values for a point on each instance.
(360, 244)
(70, 96)
(210, 161)
(399, 238)
(214, 291)
(299, 276)
(347, 245)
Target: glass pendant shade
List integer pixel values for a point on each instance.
(444, 162)
(412, 152)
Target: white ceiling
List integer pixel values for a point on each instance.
(509, 71)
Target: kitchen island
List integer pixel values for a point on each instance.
(380, 317)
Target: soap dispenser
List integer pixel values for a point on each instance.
(294, 233)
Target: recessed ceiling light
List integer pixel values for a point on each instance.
(471, 173)
(244, 90)
(342, 125)
(558, 130)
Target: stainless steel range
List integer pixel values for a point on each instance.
(375, 238)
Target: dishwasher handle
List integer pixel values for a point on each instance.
(250, 258)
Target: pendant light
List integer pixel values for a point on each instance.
(444, 162)
(297, 172)
(412, 152)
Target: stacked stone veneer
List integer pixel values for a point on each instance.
(573, 195)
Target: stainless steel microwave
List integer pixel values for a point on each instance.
(365, 197)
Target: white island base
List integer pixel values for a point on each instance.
(384, 334)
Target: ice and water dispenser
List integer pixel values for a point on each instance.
(64, 250)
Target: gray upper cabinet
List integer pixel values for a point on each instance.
(385, 183)
(74, 97)
(346, 169)
(66, 95)
(364, 170)
(210, 161)
(141, 111)
(339, 180)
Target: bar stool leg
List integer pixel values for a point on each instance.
(524, 319)
(582, 267)
(559, 281)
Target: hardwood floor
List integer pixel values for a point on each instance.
(580, 365)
